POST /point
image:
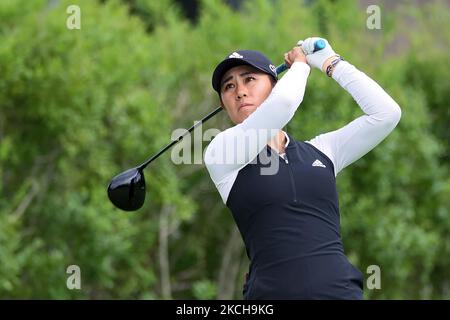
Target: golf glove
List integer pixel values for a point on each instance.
(316, 59)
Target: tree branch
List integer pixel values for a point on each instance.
(163, 249)
(229, 266)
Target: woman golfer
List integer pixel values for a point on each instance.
(288, 213)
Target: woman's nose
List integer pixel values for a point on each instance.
(241, 95)
(241, 92)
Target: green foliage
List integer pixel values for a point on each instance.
(204, 290)
(76, 111)
(79, 106)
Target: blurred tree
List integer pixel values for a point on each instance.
(76, 109)
(79, 106)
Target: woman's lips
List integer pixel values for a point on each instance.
(243, 105)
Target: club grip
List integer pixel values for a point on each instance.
(318, 45)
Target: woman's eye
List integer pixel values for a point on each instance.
(250, 78)
(228, 86)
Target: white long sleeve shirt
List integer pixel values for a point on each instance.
(343, 146)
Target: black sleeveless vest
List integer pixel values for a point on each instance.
(290, 225)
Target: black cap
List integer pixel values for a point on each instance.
(237, 58)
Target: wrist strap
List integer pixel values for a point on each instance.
(332, 65)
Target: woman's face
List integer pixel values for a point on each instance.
(242, 91)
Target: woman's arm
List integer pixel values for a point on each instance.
(235, 147)
(349, 143)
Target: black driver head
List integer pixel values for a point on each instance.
(127, 190)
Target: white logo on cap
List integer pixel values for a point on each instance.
(272, 67)
(235, 55)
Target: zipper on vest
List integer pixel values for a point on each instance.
(291, 175)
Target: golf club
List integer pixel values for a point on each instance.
(127, 190)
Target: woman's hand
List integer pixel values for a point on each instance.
(319, 59)
(296, 54)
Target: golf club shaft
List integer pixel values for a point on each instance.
(281, 68)
(160, 152)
